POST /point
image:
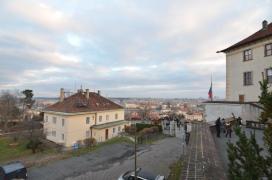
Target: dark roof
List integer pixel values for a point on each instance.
(259, 35)
(79, 103)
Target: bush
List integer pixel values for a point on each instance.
(141, 126)
(90, 142)
(34, 145)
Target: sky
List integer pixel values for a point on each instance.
(125, 48)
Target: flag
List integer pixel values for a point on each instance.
(210, 93)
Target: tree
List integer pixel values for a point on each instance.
(245, 160)
(266, 116)
(8, 108)
(27, 101)
(265, 99)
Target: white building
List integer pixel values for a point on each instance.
(81, 116)
(247, 63)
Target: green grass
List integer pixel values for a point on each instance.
(175, 170)
(85, 150)
(8, 152)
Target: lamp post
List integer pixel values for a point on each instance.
(135, 151)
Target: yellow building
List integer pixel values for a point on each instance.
(82, 115)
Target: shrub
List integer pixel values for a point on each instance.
(90, 142)
(34, 145)
(141, 126)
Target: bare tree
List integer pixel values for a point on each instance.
(8, 108)
(144, 113)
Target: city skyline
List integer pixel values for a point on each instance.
(124, 48)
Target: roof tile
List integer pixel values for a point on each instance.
(79, 103)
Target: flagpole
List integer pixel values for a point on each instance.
(212, 88)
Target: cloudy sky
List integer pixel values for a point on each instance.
(125, 48)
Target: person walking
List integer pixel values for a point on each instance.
(228, 130)
(218, 126)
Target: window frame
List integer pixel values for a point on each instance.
(63, 122)
(87, 120)
(54, 119)
(267, 77)
(100, 118)
(266, 50)
(107, 117)
(247, 57)
(246, 78)
(116, 116)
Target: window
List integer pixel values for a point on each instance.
(100, 118)
(87, 120)
(107, 117)
(54, 133)
(269, 75)
(113, 130)
(247, 78)
(268, 49)
(62, 122)
(248, 55)
(54, 120)
(116, 116)
(46, 118)
(119, 129)
(88, 134)
(62, 136)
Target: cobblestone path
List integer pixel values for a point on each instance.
(202, 160)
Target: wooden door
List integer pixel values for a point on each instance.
(106, 134)
(241, 98)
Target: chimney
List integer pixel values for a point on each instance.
(61, 95)
(265, 24)
(98, 92)
(87, 94)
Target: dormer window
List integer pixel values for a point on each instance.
(248, 55)
(268, 49)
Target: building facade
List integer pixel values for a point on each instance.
(83, 115)
(247, 63)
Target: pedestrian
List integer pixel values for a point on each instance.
(188, 132)
(218, 126)
(228, 129)
(239, 119)
(223, 125)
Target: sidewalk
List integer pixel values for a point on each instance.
(202, 159)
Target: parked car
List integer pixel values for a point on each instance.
(141, 175)
(14, 170)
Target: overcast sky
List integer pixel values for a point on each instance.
(125, 48)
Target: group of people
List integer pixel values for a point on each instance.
(226, 127)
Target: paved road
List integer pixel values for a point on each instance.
(111, 161)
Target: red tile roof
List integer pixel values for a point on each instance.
(79, 103)
(261, 34)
